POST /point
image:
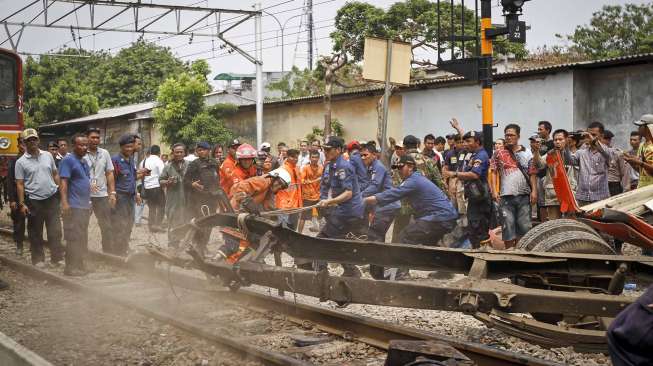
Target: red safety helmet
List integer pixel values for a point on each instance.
(245, 151)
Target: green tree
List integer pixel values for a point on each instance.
(179, 99)
(413, 21)
(615, 31)
(209, 126)
(57, 88)
(134, 74)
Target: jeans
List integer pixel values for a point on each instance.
(516, 211)
(45, 212)
(102, 210)
(122, 219)
(76, 228)
(155, 203)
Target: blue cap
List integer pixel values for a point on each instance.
(203, 145)
(126, 139)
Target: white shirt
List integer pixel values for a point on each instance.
(190, 157)
(155, 165)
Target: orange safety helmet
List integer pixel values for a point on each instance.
(245, 151)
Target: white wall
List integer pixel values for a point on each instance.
(525, 102)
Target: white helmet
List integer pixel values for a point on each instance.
(282, 175)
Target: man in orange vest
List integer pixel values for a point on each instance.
(290, 197)
(227, 168)
(311, 175)
(253, 195)
(245, 167)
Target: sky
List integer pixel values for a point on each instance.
(545, 17)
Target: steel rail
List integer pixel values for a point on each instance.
(240, 346)
(368, 330)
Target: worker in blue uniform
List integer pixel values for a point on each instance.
(472, 171)
(342, 193)
(353, 148)
(434, 215)
(380, 218)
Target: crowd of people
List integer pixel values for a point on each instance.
(446, 191)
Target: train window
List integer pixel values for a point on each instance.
(8, 93)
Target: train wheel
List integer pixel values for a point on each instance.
(570, 241)
(546, 230)
(578, 242)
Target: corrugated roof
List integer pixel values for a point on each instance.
(106, 113)
(424, 83)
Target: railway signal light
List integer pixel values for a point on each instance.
(512, 6)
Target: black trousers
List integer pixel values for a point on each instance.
(18, 221)
(376, 232)
(76, 231)
(122, 219)
(338, 227)
(478, 216)
(155, 200)
(615, 188)
(102, 210)
(425, 232)
(46, 213)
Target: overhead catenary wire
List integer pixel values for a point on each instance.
(252, 42)
(224, 22)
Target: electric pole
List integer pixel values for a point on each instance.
(259, 77)
(309, 7)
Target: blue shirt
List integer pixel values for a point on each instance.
(125, 174)
(478, 162)
(379, 181)
(340, 178)
(359, 167)
(78, 174)
(426, 199)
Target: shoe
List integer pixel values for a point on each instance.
(75, 272)
(40, 265)
(19, 252)
(57, 264)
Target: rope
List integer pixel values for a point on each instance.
(288, 211)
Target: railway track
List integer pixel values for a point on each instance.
(269, 329)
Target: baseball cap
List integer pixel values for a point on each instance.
(29, 132)
(204, 145)
(646, 119)
(126, 139)
(411, 140)
(265, 145)
(53, 144)
(399, 144)
(475, 134)
(334, 142)
(534, 136)
(406, 159)
(353, 145)
(234, 142)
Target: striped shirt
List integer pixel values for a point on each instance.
(593, 174)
